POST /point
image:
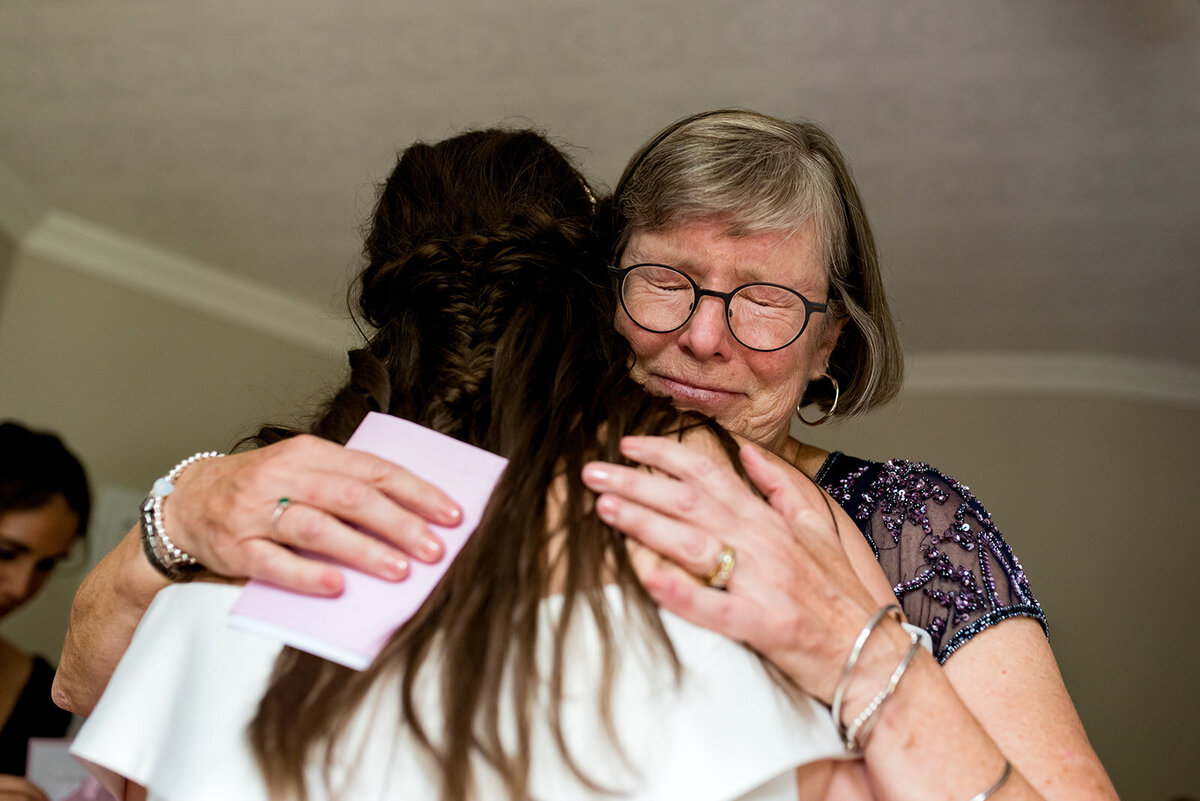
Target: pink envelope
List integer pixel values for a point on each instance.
(352, 628)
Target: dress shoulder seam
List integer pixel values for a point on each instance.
(963, 636)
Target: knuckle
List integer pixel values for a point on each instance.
(704, 467)
(350, 494)
(302, 447)
(409, 531)
(288, 448)
(378, 471)
(258, 564)
(308, 530)
(693, 546)
(301, 442)
(276, 566)
(688, 499)
(808, 520)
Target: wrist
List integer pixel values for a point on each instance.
(926, 713)
(881, 654)
(161, 552)
(136, 581)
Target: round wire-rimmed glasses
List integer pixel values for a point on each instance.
(762, 317)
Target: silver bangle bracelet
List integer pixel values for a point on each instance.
(991, 791)
(839, 692)
(855, 738)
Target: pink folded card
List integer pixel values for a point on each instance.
(352, 628)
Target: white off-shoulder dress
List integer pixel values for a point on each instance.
(174, 718)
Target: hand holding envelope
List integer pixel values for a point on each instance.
(352, 628)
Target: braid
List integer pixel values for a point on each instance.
(493, 323)
(467, 345)
(451, 303)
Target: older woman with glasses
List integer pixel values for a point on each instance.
(749, 289)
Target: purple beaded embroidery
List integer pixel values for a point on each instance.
(949, 585)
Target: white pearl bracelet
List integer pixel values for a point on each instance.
(167, 557)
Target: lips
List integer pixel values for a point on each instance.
(688, 395)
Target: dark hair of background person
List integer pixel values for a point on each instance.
(34, 467)
(494, 324)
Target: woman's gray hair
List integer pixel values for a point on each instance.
(756, 173)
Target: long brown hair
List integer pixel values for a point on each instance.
(493, 318)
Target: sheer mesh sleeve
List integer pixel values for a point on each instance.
(948, 563)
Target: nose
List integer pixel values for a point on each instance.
(706, 335)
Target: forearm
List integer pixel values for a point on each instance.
(947, 732)
(107, 609)
(927, 743)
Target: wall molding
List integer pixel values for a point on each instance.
(107, 255)
(131, 263)
(19, 207)
(1054, 373)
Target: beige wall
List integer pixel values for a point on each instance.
(1095, 496)
(1092, 493)
(7, 252)
(133, 383)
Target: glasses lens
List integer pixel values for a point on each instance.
(657, 298)
(766, 317)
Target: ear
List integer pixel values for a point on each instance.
(829, 339)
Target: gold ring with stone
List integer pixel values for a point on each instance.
(722, 568)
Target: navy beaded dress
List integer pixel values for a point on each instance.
(952, 571)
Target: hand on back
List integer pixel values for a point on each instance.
(794, 594)
(345, 505)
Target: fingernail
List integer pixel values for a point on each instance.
(595, 475)
(606, 507)
(430, 548)
(395, 567)
(653, 585)
(331, 580)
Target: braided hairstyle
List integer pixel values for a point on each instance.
(493, 324)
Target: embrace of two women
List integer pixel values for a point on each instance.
(668, 596)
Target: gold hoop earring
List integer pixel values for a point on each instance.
(832, 407)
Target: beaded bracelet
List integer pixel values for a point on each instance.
(167, 557)
(856, 734)
(152, 547)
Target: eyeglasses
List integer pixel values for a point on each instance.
(762, 317)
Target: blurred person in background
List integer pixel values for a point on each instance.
(44, 507)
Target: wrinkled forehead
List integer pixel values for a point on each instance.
(711, 251)
(801, 221)
(808, 232)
